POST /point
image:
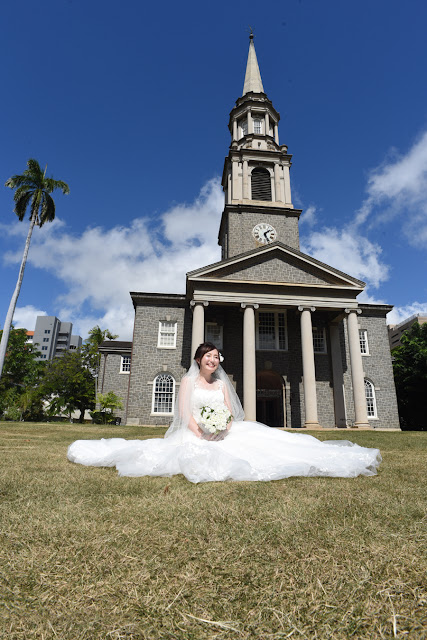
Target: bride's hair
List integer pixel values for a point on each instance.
(202, 349)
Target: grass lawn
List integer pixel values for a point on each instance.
(87, 555)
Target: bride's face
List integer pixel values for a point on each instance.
(209, 363)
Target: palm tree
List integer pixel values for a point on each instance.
(34, 189)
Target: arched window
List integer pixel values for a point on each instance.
(261, 184)
(243, 125)
(163, 394)
(371, 404)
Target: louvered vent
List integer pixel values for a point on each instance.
(261, 184)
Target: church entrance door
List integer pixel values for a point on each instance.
(269, 401)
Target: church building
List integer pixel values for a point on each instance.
(299, 348)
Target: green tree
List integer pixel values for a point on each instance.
(21, 367)
(68, 384)
(108, 403)
(91, 349)
(19, 385)
(33, 189)
(410, 375)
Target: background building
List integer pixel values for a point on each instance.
(53, 337)
(395, 331)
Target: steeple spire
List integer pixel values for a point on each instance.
(253, 80)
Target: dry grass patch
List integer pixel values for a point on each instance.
(87, 555)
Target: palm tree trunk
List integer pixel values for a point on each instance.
(14, 299)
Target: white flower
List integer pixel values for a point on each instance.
(215, 418)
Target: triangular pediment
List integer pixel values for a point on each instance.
(279, 264)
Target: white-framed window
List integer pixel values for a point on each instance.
(243, 124)
(213, 333)
(319, 340)
(163, 394)
(257, 125)
(167, 335)
(125, 364)
(363, 337)
(271, 331)
(371, 403)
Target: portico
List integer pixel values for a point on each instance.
(311, 288)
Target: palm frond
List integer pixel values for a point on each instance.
(51, 185)
(17, 181)
(34, 169)
(21, 204)
(47, 209)
(24, 188)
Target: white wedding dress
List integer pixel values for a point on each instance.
(250, 451)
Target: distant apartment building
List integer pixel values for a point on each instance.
(53, 337)
(395, 331)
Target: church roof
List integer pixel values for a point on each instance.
(253, 82)
(236, 263)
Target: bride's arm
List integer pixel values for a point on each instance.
(194, 427)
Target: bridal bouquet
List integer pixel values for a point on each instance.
(215, 419)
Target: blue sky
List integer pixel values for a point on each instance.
(128, 102)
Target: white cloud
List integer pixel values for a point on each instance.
(309, 216)
(100, 266)
(25, 317)
(348, 252)
(398, 314)
(398, 189)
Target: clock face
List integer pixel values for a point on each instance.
(264, 233)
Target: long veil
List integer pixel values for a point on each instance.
(183, 403)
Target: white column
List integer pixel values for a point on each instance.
(277, 182)
(236, 189)
(245, 180)
(250, 123)
(286, 176)
(267, 123)
(249, 361)
(357, 376)
(273, 190)
(198, 328)
(308, 369)
(337, 376)
(234, 130)
(276, 133)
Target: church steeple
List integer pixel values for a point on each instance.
(256, 178)
(253, 82)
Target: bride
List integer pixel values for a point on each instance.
(209, 440)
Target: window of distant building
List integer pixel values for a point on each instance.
(125, 364)
(363, 337)
(167, 335)
(47, 330)
(163, 394)
(271, 331)
(44, 348)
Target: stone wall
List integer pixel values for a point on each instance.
(240, 225)
(148, 360)
(110, 379)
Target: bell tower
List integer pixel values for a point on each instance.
(256, 180)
